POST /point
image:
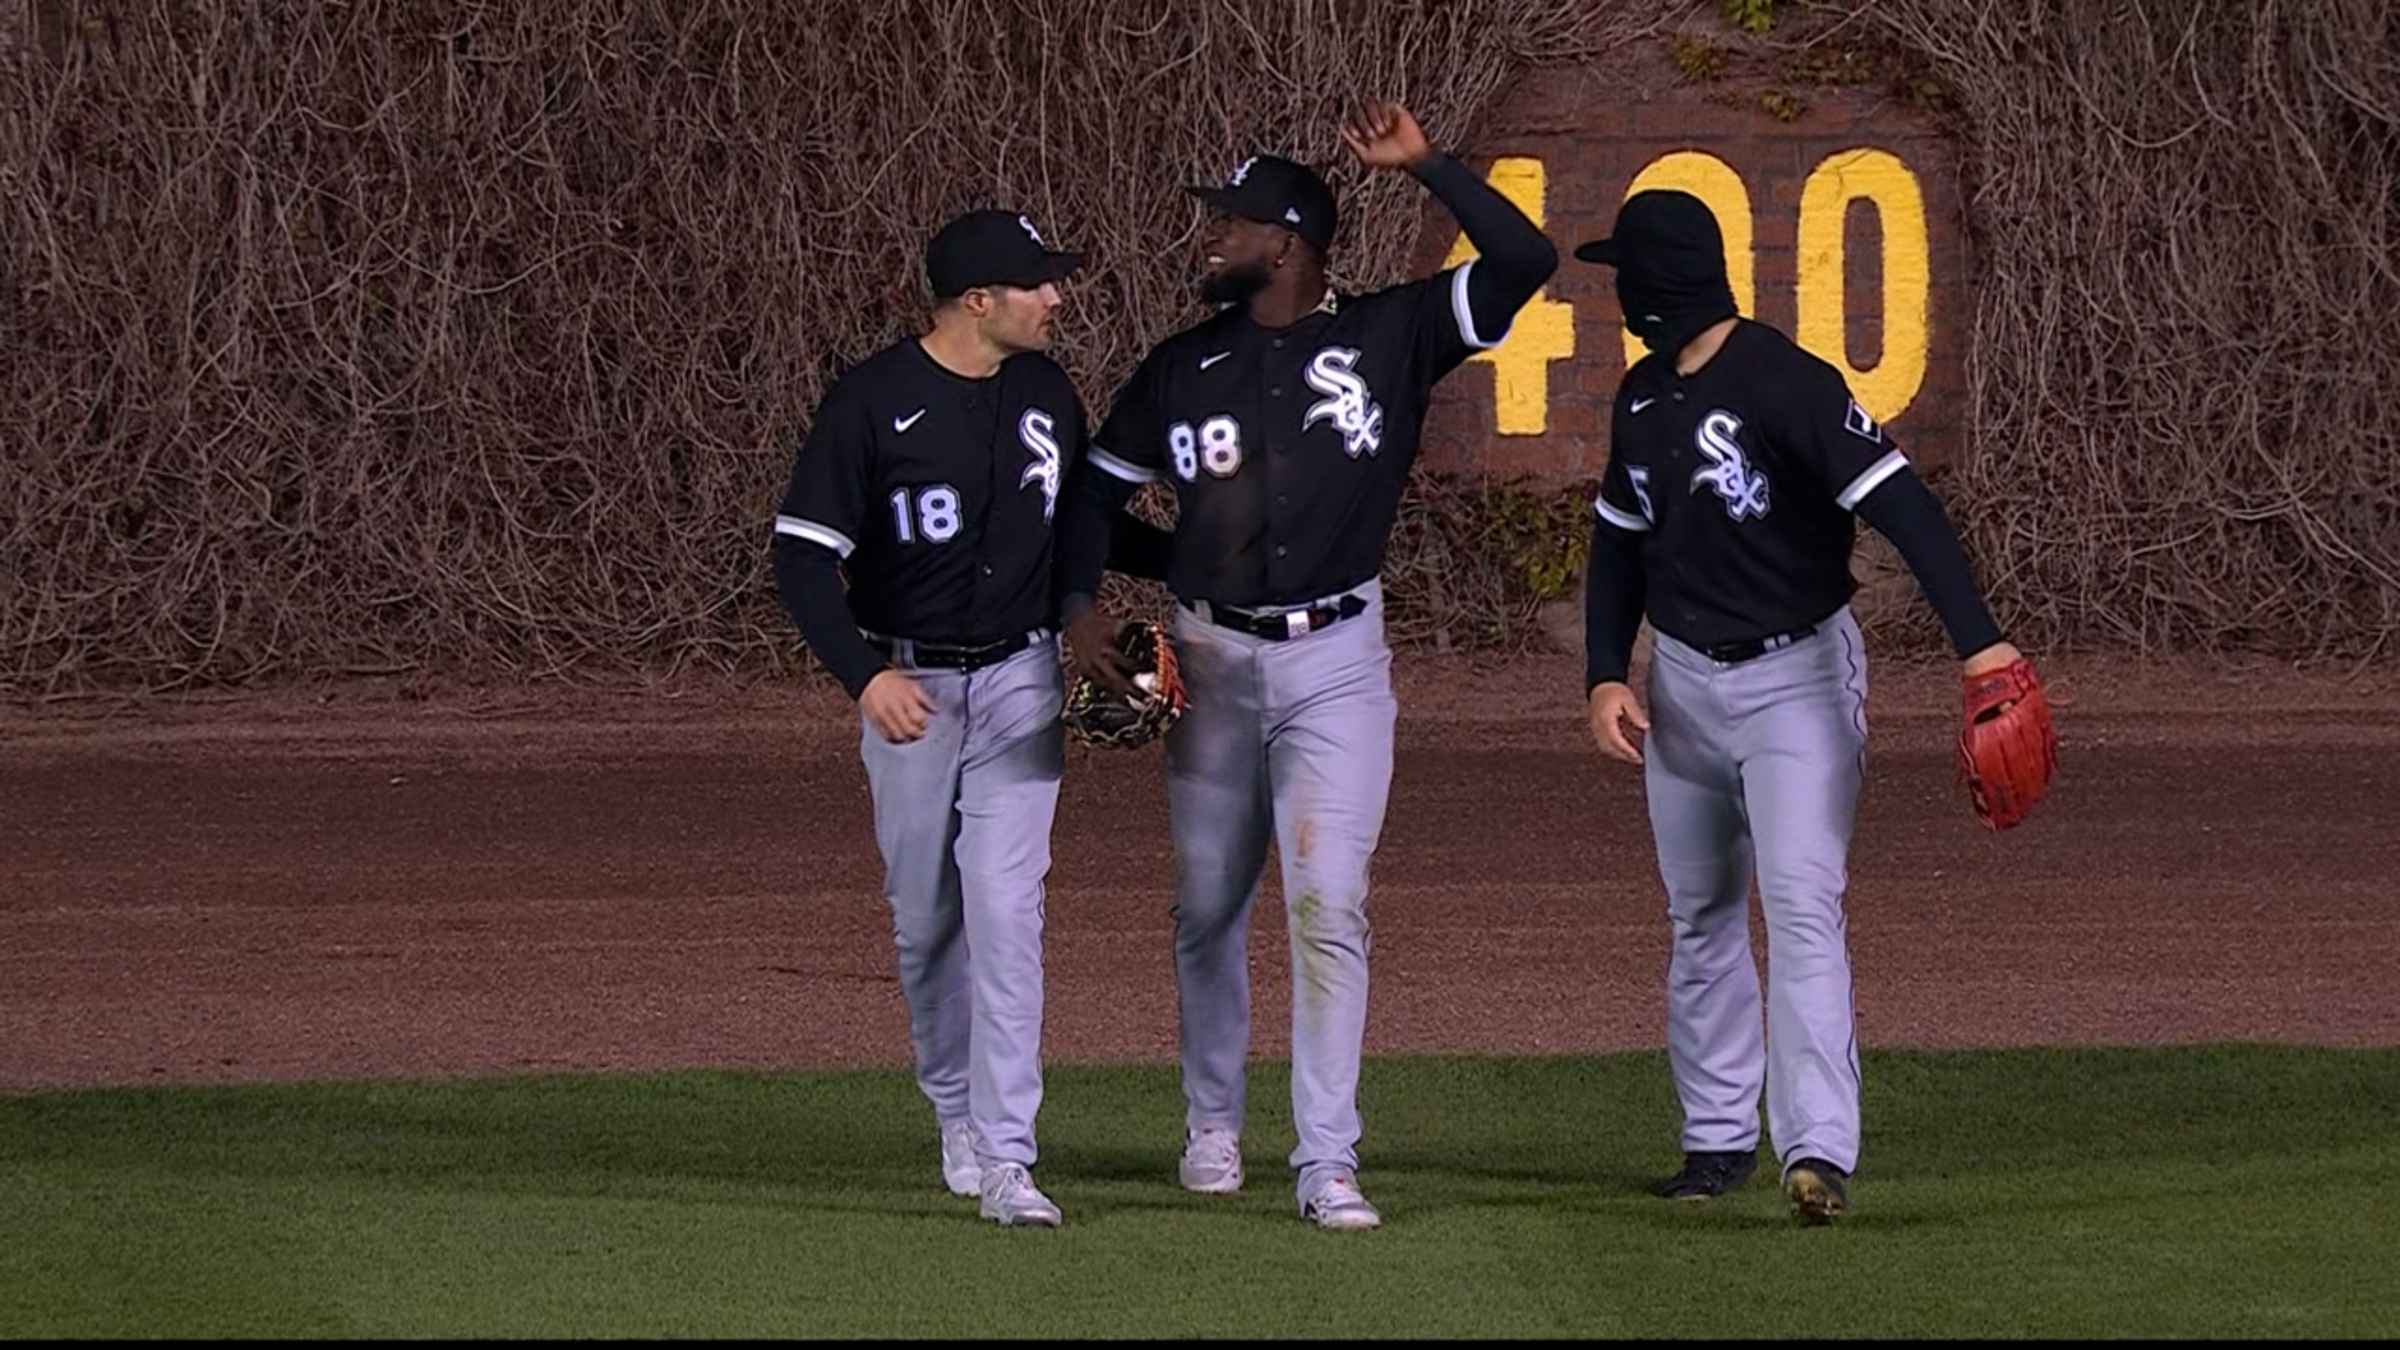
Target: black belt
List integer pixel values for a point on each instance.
(1278, 625)
(943, 656)
(1733, 653)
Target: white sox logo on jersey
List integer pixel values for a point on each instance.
(1743, 488)
(1352, 410)
(1035, 429)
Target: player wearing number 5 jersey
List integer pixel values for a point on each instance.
(1737, 462)
(1286, 425)
(932, 473)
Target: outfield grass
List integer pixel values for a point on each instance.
(2189, 1193)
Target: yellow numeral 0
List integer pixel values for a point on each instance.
(1879, 177)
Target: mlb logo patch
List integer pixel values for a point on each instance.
(1859, 424)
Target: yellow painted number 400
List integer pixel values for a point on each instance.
(1544, 331)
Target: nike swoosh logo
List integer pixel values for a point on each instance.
(1207, 361)
(904, 423)
(1637, 405)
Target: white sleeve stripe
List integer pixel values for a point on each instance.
(1872, 479)
(1118, 468)
(834, 539)
(1466, 312)
(1623, 520)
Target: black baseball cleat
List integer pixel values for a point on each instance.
(1708, 1174)
(1817, 1190)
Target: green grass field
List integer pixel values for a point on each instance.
(2230, 1191)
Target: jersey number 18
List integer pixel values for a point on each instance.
(936, 514)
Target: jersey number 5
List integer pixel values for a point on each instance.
(936, 514)
(1216, 447)
(1640, 478)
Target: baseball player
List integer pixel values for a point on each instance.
(1736, 463)
(1286, 424)
(932, 473)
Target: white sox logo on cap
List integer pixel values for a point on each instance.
(1027, 222)
(1241, 171)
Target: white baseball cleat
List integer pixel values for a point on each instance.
(1337, 1204)
(1010, 1200)
(1212, 1162)
(960, 1172)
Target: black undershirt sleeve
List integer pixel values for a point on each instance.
(1905, 511)
(1513, 256)
(1138, 548)
(810, 586)
(1612, 604)
(1095, 533)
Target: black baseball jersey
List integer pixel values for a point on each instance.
(938, 491)
(1742, 478)
(1287, 447)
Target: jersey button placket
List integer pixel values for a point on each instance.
(986, 602)
(1270, 412)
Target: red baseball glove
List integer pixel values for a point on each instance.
(2007, 748)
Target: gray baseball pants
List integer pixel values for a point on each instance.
(1292, 738)
(963, 817)
(1756, 766)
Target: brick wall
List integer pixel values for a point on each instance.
(1594, 128)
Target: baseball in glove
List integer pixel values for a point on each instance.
(1096, 716)
(2007, 748)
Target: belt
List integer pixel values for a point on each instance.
(1279, 625)
(1733, 653)
(945, 656)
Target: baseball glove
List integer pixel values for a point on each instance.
(1096, 716)
(2007, 748)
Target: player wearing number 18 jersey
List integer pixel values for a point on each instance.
(1286, 426)
(932, 474)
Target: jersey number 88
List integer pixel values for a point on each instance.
(1216, 447)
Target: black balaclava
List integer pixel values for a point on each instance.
(1670, 261)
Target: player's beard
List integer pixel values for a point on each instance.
(1017, 330)
(1234, 283)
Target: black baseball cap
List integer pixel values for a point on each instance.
(992, 248)
(1660, 225)
(1277, 191)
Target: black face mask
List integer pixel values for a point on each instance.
(1670, 261)
(1669, 297)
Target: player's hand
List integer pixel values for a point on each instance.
(1384, 136)
(1093, 636)
(1618, 722)
(1998, 656)
(896, 707)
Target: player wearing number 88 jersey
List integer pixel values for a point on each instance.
(1286, 425)
(932, 473)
